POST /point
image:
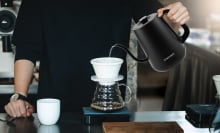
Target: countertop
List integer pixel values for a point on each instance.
(73, 122)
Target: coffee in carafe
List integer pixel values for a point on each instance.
(107, 97)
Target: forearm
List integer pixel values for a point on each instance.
(23, 72)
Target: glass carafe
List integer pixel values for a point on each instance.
(107, 97)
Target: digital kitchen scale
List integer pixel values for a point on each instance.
(200, 115)
(92, 116)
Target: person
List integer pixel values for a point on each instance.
(65, 36)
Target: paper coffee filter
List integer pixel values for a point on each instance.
(106, 67)
(107, 61)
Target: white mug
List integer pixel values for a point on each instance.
(48, 111)
(49, 129)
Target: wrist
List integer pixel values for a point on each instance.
(18, 96)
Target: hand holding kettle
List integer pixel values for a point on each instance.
(177, 15)
(158, 38)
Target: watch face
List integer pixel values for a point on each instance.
(14, 97)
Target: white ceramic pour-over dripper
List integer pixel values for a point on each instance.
(107, 68)
(216, 79)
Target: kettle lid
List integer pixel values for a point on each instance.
(144, 21)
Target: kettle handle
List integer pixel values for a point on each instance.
(185, 34)
(184, 26)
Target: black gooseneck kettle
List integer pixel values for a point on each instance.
(163, 47)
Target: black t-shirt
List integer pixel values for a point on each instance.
(64, 35)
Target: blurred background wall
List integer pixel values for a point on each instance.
(200, 11)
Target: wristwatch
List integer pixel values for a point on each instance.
(17, 96)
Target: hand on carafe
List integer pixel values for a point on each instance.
(19, 108)
(178, 14)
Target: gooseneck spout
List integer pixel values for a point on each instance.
(128, 51)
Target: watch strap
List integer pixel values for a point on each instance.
(22, 97)
(17, 96)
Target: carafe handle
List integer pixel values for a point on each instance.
(130, 92)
